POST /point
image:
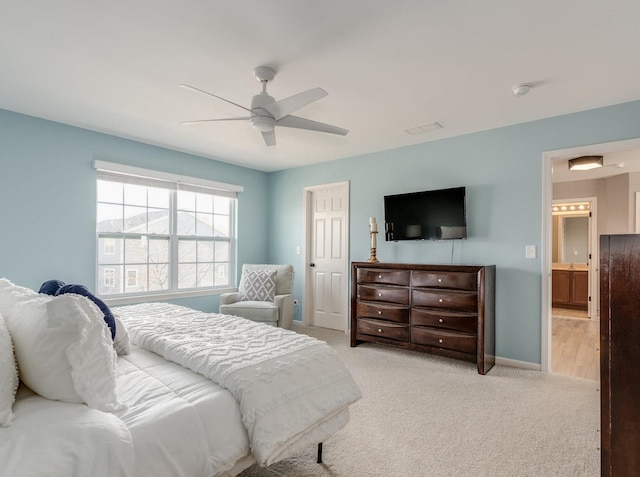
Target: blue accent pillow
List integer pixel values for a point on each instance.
(58, 287)
(51, 287)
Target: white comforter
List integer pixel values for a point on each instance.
(293, 390)
(62, 439)
(176, 422)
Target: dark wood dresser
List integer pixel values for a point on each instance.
(448, 310)
(620, 354)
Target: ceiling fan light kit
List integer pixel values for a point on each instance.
(266, 112)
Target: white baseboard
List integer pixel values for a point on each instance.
(514, 363)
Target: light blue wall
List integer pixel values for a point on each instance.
(502, 171)
(48, 190)
(47, 203)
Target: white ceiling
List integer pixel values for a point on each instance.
(114, 66)
(615, 162)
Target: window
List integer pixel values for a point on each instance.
(158, 235)
(132, 278)
(109, 246)
(109, 277)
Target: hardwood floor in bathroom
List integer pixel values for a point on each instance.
(575, 344)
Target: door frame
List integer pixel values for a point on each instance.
(545, 256)
(307, 241)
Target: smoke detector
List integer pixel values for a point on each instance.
(521, 89)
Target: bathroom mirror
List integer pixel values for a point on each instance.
(574, 247)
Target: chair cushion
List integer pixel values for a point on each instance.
(252, 310)
(258, 285)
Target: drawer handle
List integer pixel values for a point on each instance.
(379, 330)
(379, 312)
(440, 320)
(379, 294)
(379, 276)
(439, 341)
(439, 280)
(440, 300)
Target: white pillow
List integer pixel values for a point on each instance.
(64, 350)
(8, 375)
(12, 295)
(121, 340)
(258, 285)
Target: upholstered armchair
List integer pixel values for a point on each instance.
(265, 294)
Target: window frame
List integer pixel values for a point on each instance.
(134, 175)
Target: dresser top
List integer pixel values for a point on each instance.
(422, 266)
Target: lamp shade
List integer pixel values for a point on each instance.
(584, 163)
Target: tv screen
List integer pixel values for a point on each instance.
(428, 215)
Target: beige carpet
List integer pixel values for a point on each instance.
(425, 416)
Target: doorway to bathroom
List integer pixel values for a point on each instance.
(574, 288)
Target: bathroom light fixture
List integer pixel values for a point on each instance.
(573, 208)
(584, 163)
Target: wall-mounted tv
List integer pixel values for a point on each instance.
(427, 215)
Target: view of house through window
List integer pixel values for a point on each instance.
(156, 236)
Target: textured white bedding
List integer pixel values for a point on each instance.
(258, 393)
(58, 439)
(176, 423)
(180, 422)
(293, 390)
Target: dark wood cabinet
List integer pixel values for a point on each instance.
(570, 289)
(446, 310)
(620, 354)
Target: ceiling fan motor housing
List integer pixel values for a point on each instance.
(260, 118)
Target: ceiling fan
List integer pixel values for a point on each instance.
(266, 112)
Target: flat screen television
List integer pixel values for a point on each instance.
(427, 215)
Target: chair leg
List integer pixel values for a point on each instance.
(319, 461)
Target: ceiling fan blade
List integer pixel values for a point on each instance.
(198, 121)
(285, 106)
(269, 138)
(302, 123)
(191, 88)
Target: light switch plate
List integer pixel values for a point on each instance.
(530, 251)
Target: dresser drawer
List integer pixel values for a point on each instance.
(399, 314)
(443, 339)
(466, 322)
(385, 329)
(386, 294)
(452, 300)
(453, 280)
(386, 277)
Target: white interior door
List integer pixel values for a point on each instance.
(327, 283)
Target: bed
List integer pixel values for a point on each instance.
(193, 393)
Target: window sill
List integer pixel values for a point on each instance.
(165, 296)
